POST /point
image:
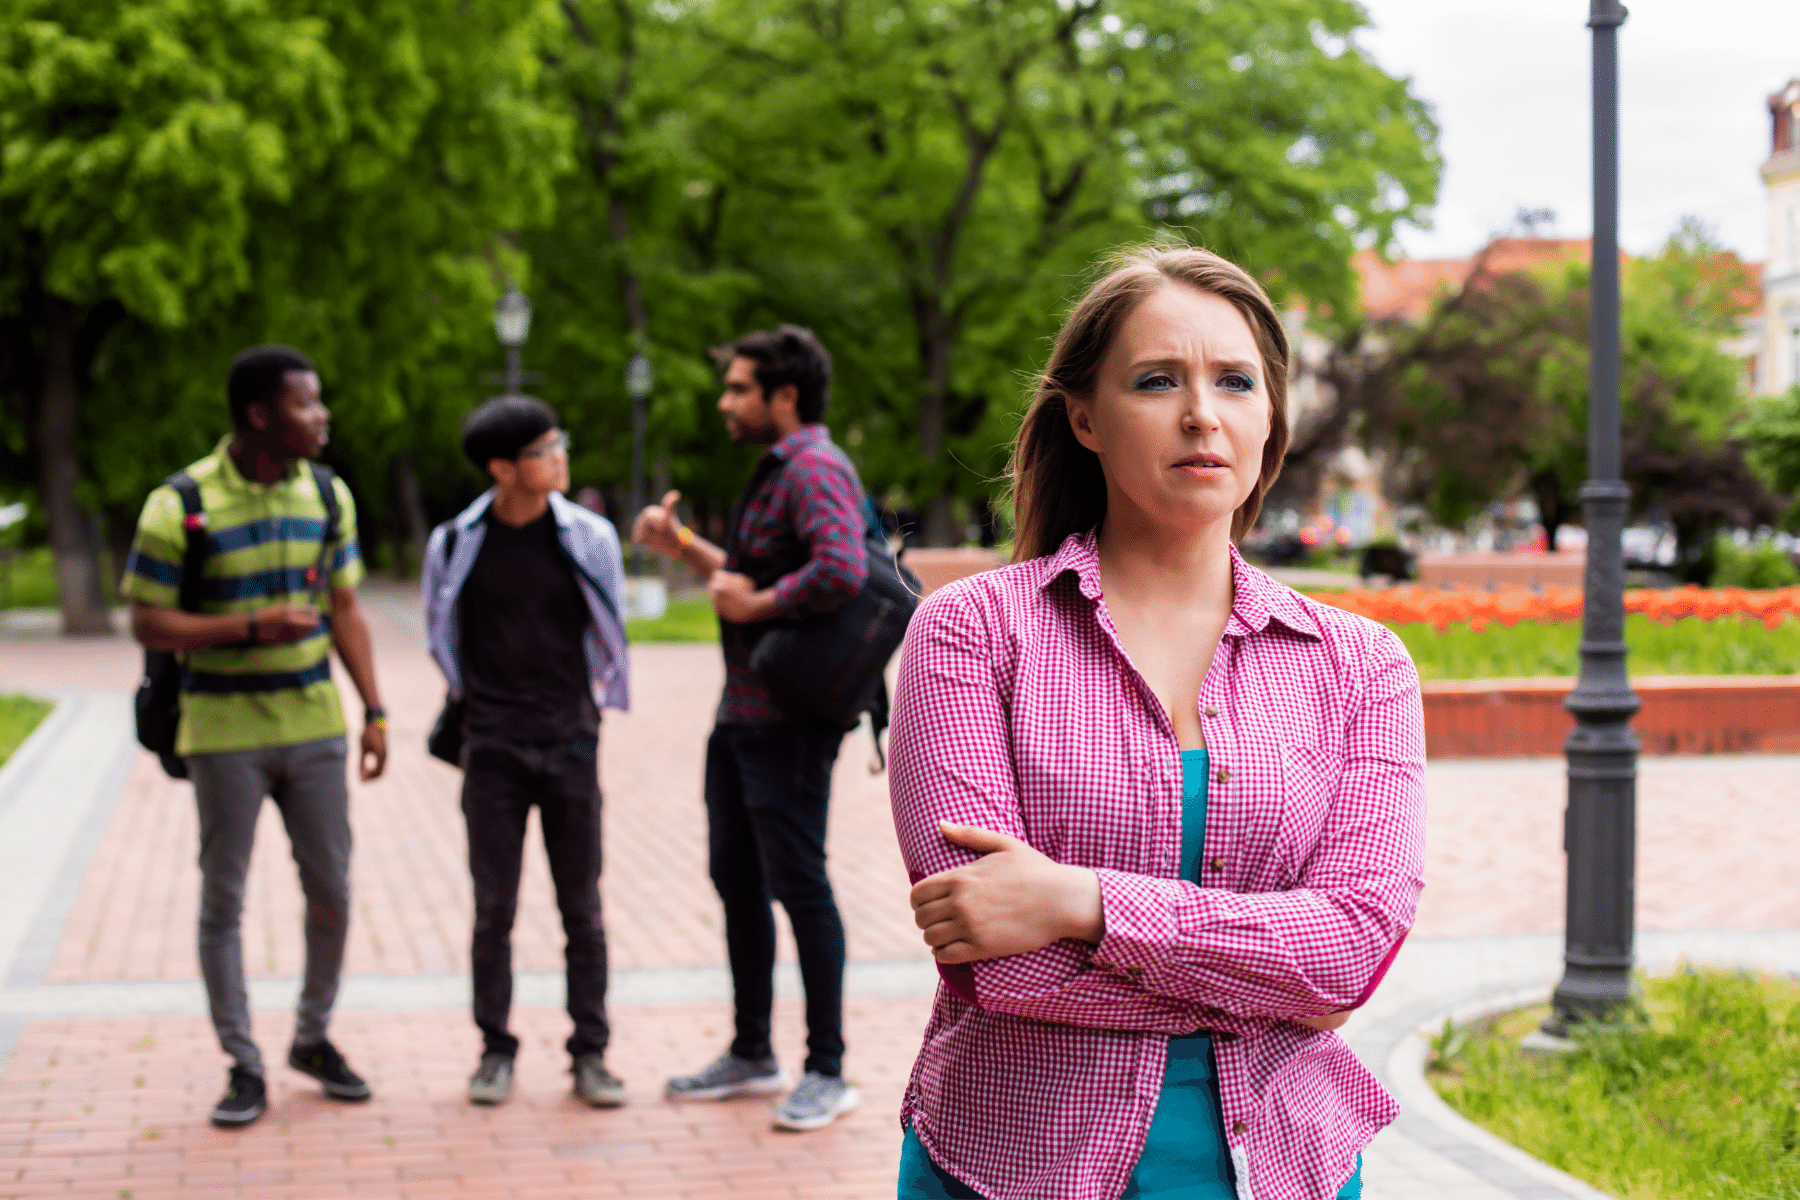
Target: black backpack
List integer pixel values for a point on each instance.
(831, 666)
(158, 700)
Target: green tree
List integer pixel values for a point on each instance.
(1490, 393)
(135, 137)
(1773, 435)
(926, 185)
(953, 171)
(343, 181)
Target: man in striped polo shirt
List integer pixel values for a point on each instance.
(259, 713)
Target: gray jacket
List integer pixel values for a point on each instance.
(593, 548)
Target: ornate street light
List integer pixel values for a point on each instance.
(1600, 825)
(640, 379)
(512, 325)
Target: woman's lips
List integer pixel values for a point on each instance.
(1203, 470)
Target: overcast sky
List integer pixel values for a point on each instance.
(1509, 80)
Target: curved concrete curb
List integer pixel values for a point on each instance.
(1435, 1124)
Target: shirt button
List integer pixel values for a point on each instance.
(1240, 1127)
(1211, 711)
(1224, 775)
(1217, 864)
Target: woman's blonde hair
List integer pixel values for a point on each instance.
(1057, 485)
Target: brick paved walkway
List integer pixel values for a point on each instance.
(112, 1064)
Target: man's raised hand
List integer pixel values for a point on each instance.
(657, 527)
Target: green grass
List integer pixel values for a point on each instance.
(1742, 646)
(19, 715)
(688, 619)
(33, 577)
(1698, 1098)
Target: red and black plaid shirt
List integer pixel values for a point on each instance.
(798, 528)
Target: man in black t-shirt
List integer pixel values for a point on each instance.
(522, 596)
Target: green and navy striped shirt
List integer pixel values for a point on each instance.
(261, 542)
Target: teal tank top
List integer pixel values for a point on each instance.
(1185, 1155)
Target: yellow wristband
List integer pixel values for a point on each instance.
(685, 536)
(377, 723)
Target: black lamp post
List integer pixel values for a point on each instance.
(1600, 825)
(640, 378)
(512, 325)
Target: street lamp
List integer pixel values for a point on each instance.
(1600, 824)
(512, 325)
(640, 378)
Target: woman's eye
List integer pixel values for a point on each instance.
(1237, 382)
(1155, 381)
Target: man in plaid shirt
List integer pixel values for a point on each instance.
(794, 547)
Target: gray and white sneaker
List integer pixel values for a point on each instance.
(728, 1076)
(492, 1081)
(597, 1085)
(816, 1103)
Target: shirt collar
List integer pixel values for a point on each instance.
(807, 435)
(232, 478)
(1257, 599)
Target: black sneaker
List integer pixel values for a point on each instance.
(245, 1099)
(323, 1062)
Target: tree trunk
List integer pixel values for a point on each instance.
(409, 506)
(72, 535)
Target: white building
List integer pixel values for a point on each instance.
(1779, 369)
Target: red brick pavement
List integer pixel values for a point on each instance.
(134, 918)
(116, 1108)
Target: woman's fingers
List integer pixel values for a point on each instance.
(957, 952)
(933, 887)
(981, 841)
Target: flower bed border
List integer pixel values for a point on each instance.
(1681, 714)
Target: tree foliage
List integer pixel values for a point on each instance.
(1490, 394)
(925, 185)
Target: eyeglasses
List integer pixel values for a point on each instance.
(556, 445)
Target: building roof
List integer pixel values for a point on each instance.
(1406, 288)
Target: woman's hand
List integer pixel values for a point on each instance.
(1012, 900)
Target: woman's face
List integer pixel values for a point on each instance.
(1180, 410)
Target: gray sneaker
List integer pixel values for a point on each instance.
(728, 1076)
(597, 1085)
(492, 1081)
(816, 1103)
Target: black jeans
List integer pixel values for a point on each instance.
(768, 792)
(501, 781)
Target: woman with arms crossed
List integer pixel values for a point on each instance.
(1164, 816)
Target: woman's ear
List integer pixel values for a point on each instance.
(1081, 422)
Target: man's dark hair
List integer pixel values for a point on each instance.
(504, 426)
(258, 375)
(783, 355)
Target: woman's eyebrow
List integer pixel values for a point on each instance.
(1238, 364)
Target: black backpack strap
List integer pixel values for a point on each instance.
(319, 578)
(193, 554)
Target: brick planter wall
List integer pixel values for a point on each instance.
(1681, 714)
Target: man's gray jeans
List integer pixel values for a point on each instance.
(307, 784)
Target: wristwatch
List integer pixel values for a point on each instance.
(376, 716)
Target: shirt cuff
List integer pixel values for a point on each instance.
(1141, 927)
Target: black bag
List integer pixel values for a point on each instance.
(831, 666)
(445, 741)
(158, 702)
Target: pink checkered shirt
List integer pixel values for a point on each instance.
(1018, 711)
